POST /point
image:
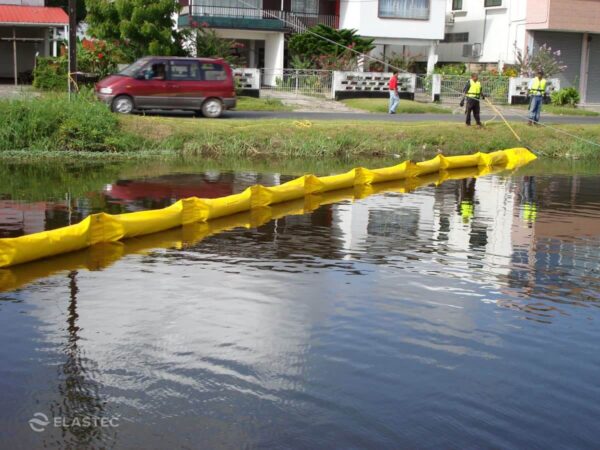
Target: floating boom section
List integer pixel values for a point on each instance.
(104, 228)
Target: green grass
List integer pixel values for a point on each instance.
(261, 104)
(49, 126)
(561, 110)
(381, 105)
(282, 138)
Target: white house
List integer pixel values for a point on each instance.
(259, 25)
(398, 26)
(483, 31)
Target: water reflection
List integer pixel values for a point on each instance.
(394, 320)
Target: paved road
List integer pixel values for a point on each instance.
(458, 118)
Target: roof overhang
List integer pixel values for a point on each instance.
(28, 16)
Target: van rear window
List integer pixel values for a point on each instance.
(213, 72)
(185, 70)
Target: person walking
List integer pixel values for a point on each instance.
(473, 94)
(537, 93)
(394, 95)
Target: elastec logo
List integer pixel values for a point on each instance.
(39, 422)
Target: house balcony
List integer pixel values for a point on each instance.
(252, 18)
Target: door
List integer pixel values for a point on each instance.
(185, 84)
(150, 86)
(214, 80)
(593, 83)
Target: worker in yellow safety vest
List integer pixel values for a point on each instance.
(537, 93)
(474, 94)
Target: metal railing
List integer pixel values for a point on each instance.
(297, 81)
(496, 88)
(295, 21)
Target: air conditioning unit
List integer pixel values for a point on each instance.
(472, 50)
(450, 19)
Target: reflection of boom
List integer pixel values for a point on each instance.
(306, 190)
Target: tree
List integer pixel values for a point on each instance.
(308, 45)
(204, 42)
(64, 4)
(544, 58)
(146, 26)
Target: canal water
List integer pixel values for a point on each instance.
(464, 315)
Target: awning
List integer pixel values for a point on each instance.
(32, 15)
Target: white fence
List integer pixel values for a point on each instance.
(340, 85)
(370, 84)
(247, 81)
(518, 88)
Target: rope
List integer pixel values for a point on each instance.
(503, 118)
(274, 16)
(303, 123)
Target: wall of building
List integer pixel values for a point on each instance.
(363, 16)
(495, 29)
(22, 2)
(570, 46)
(564, 15)
(26, 51)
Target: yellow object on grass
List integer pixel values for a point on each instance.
(106, 228)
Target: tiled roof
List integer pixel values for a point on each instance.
(11, 14)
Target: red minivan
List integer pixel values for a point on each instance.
(196, 84)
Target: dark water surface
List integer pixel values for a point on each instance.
(463, 316)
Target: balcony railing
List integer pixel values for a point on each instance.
(297, 22)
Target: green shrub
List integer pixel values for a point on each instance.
(566, 97)
(53, 122)
(50, 74)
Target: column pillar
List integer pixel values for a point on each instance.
(432, 58)
(15, 62)
(252, 54)
(584, 67)
(274, 45)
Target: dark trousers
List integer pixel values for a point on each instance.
(474, 107)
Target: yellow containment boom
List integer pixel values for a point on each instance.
(105, 228)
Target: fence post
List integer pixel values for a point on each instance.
(296, 81)
(511, 89)
(436, 87)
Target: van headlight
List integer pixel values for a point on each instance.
(106, 90)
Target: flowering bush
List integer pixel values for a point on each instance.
(101, 57)
(544, 58)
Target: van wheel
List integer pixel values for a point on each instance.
(212, 108)
(122, 105)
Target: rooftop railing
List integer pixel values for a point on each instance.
(294, 21)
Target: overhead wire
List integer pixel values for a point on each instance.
(331, 41)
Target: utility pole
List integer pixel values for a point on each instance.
(72, 45)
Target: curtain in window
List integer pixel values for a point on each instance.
(404, 9)
(305, 6)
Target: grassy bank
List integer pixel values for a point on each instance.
(44, 128)
(381, 105)
(560, 110)
(261, 104)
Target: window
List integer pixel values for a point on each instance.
(489, 3)
(305, 6)
(456, 37)
(457, 5)
(404, 9)
(213, 72)
(185, 70)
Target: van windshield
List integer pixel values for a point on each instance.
(133, 69)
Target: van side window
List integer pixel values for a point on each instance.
(213, 72)
(155, 71)
(184, 70)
